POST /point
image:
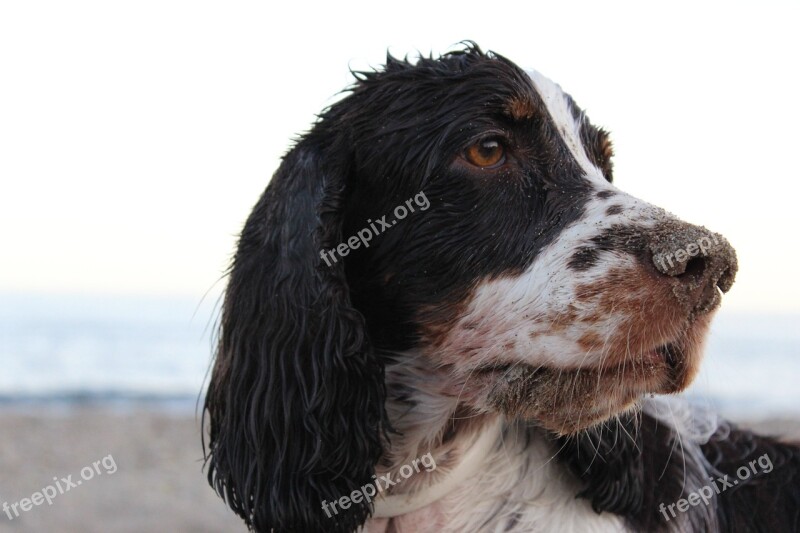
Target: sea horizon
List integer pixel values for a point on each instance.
(61, 350)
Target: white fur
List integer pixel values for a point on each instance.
(400, 504)
(505, 312)
(518, 487)
(569, 128)
(693, 425)
(518, 477)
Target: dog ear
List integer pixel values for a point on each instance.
(628, 467)
(296, 397)
(608, 460)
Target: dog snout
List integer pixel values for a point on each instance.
(697, 261)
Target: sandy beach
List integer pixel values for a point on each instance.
(153, 481)
(158, 484)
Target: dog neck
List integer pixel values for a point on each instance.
(429, 423)
(465, 491)
(392, 505)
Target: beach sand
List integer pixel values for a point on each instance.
(158, 485)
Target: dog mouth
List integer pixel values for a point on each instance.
(567, 400)
(670, 357)
(673, 356)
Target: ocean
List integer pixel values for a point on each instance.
(62, 350)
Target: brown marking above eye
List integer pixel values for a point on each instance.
(605, 151)
(486, 153)
(520, 108)
(606, 148)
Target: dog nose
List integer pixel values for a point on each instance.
(698, 261)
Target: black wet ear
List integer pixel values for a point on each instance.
(296, 399)
(608, 460)
(628, 467)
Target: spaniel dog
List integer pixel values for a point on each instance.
(443, 316)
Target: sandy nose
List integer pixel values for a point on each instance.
(697, 261)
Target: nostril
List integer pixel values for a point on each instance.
(725, 281)
(702, 264)
(695, 268)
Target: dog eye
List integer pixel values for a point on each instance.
(486, 153)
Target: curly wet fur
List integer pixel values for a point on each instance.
(296, 400)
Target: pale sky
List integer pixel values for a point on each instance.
(136, 136)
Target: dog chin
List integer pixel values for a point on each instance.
(566, 401)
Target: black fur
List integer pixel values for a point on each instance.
(628, 468)
(766, 502)
(296, 401)
(408, 125)
(632, 467)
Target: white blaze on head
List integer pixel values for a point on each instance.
(568, 126)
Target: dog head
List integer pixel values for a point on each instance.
(461, 209)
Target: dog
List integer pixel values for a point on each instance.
(443, 316)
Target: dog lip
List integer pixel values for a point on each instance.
(490, 368)
(669, 357)
(671, 354)
(667, 353)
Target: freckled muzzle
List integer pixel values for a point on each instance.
(662, 304)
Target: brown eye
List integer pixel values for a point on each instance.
(486, 153)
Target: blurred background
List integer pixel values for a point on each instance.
(135, 137)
